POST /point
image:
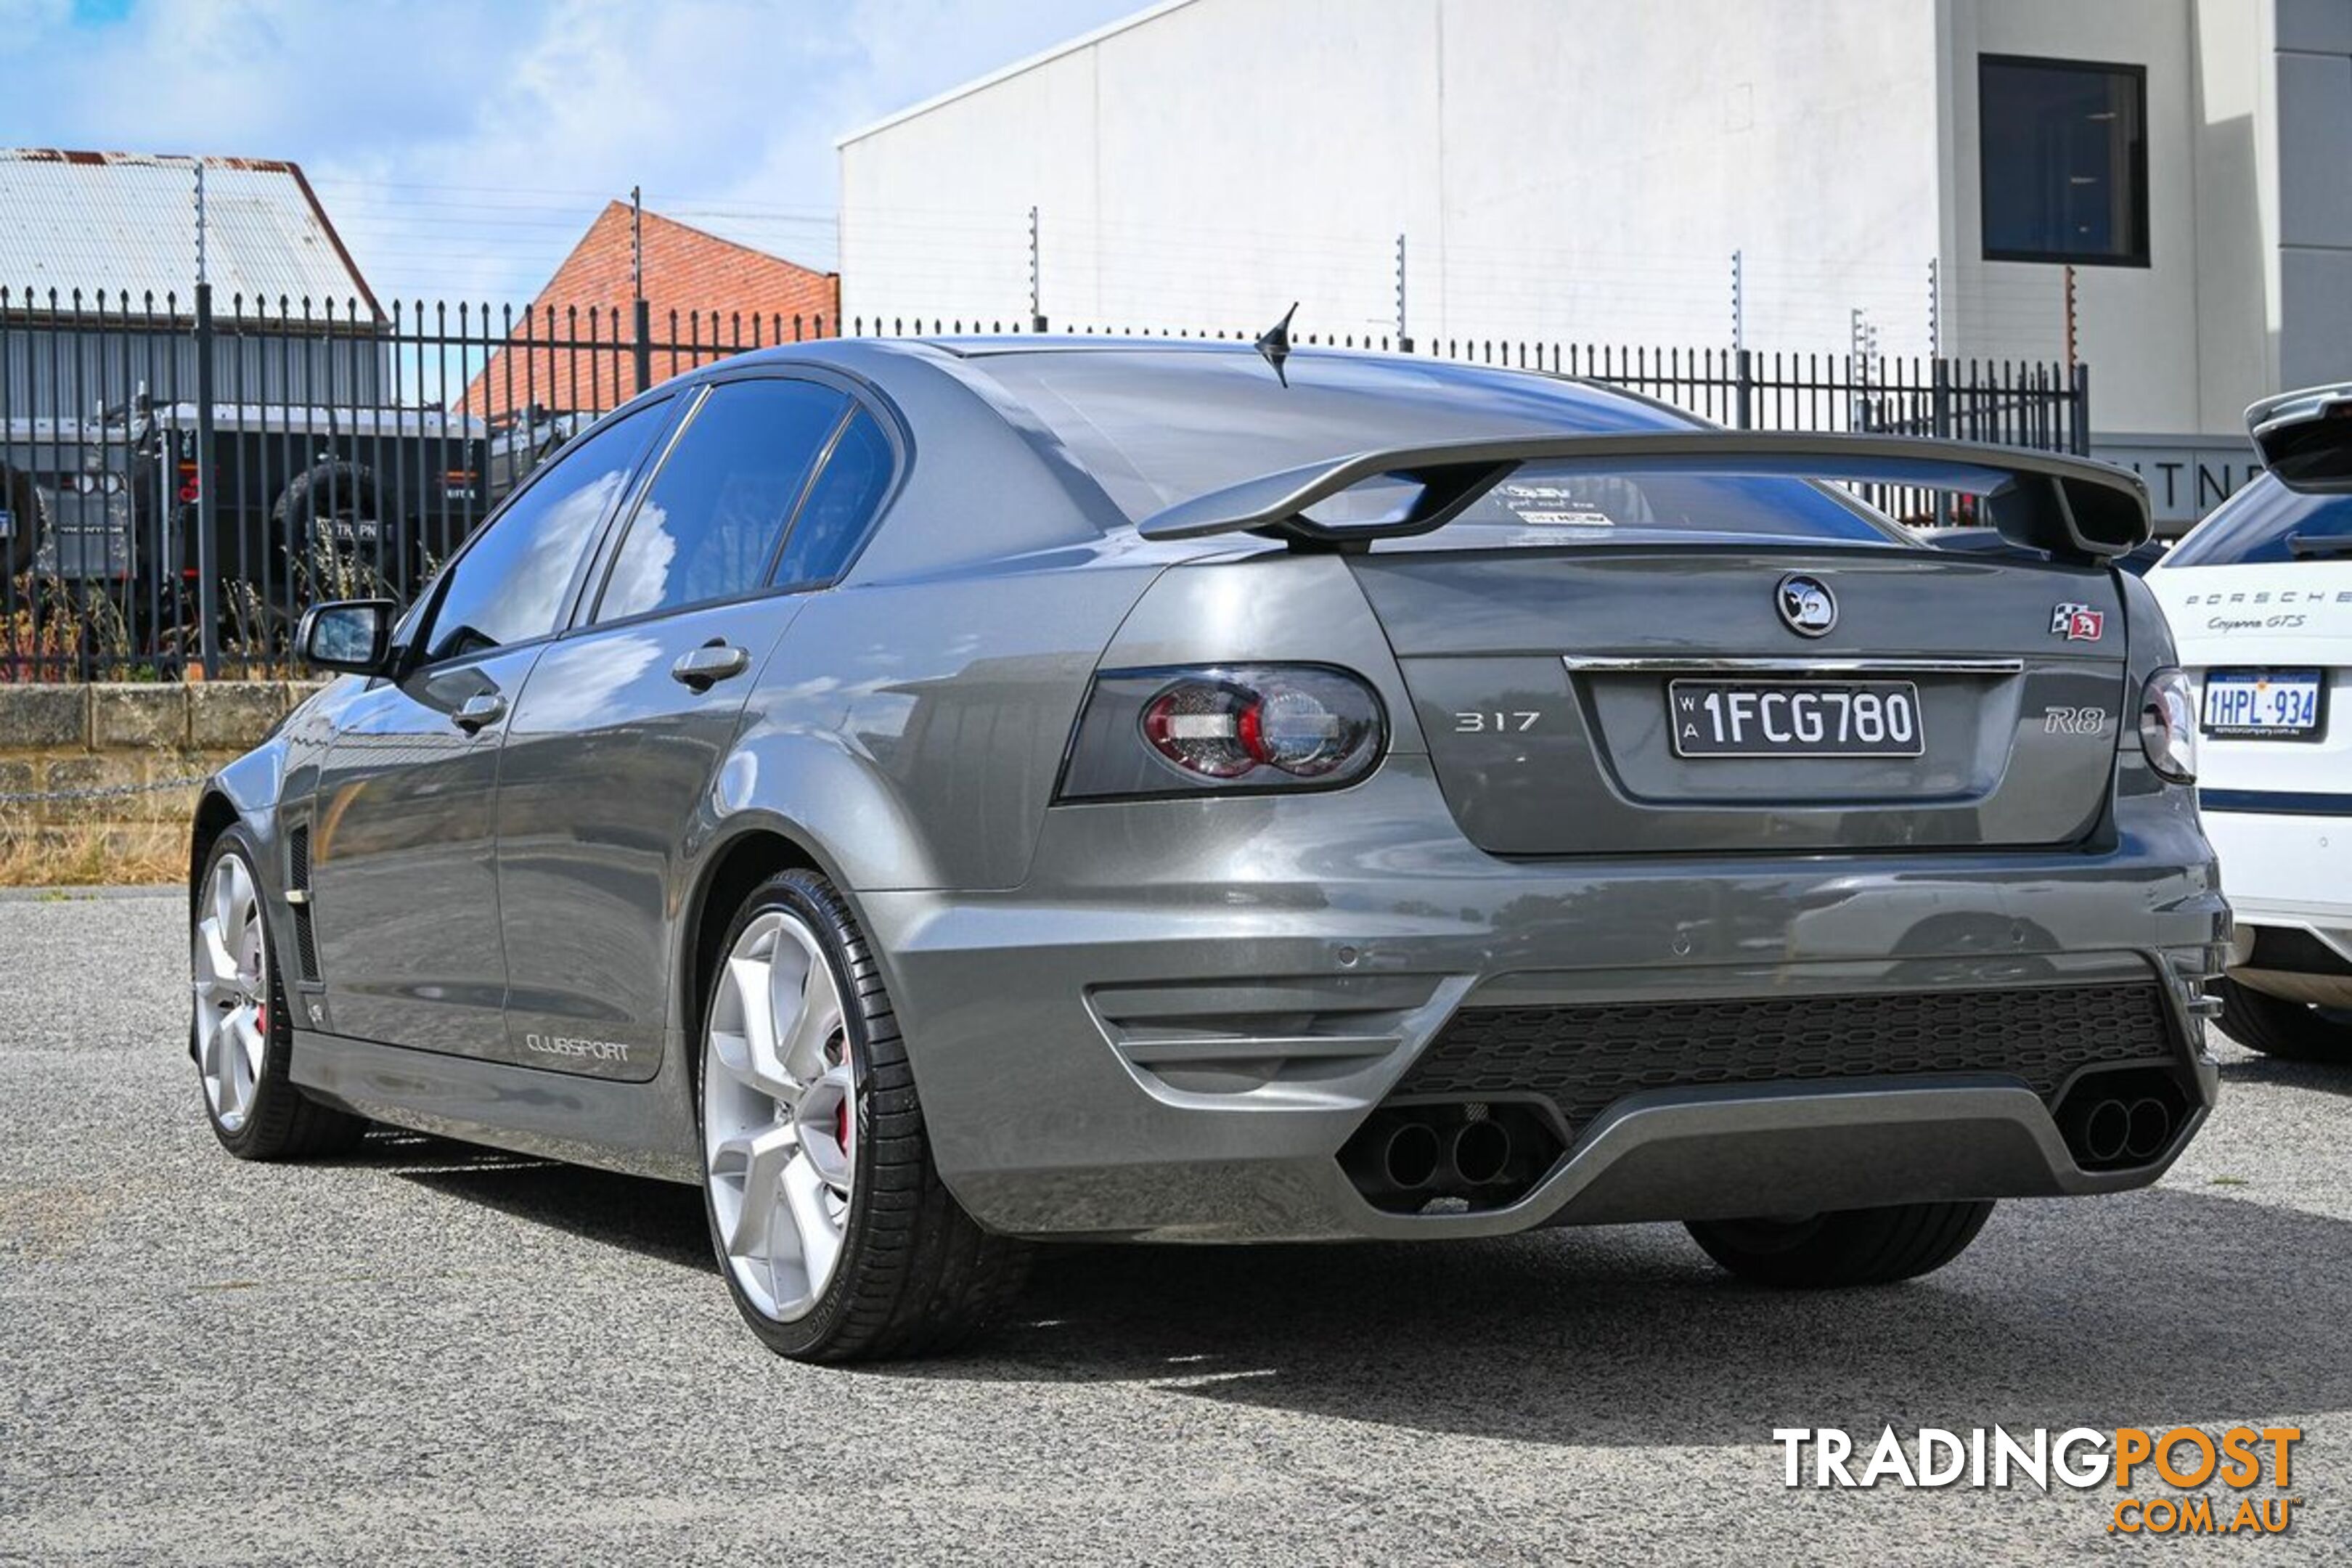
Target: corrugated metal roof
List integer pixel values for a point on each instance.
(126, 222)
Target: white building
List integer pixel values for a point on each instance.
(1918, 173)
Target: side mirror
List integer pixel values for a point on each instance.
(354, 636)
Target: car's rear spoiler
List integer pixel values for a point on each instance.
(2070, 507)
(2306, 437)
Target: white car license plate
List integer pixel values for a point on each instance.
(2263, 704)
(1794, 718)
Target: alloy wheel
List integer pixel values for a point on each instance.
(779, 1115)
(228, 962)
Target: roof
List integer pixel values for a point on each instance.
(113, 222)
(1068, 47)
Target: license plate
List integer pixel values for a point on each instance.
(1794, 718)
(2263, 704)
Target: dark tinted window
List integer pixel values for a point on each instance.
(510, 583)
(2259, 523)
(1549, 505)
(1155, 428)
(710, 521)
(2065, 150)
(840, 505)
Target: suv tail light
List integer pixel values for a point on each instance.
(1236, 727)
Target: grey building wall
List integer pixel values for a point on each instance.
(49, 372)
(2315, 137)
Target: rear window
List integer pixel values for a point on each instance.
(2267, 521)
(1158, 428)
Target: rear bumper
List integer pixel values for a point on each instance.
(1172, 1030)
(2289, 875)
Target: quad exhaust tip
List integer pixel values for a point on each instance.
(1410, 1160)
(1406, 1159)
(2115, 1120)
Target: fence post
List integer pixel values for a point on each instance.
(643, 350)
(207, 504)
(1940, 411)
(2078, 440)
(1743, 391)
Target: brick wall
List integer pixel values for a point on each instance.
(718, 291)
(57, 741)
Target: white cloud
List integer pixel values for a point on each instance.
(462, 147)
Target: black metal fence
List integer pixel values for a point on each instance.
(177, 481)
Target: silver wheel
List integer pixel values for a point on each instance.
(228, 961)
(779, 1116)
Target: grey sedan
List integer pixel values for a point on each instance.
(942, 796)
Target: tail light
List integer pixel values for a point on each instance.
(191, 481)
(2167, 726)
(1242, 727)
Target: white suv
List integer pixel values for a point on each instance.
(2260, 597)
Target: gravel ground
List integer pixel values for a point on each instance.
(432, 1352)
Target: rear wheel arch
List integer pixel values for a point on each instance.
(733, 869)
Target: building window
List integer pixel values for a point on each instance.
(2064, 148)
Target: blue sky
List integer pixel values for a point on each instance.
(461, 146)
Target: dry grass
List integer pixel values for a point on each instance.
(50, 628)
(82, 855)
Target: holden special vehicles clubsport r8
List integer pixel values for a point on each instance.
(942, 796)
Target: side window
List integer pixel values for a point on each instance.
(840, 505)
(510, 585)
(710, 518)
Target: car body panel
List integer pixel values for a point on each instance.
(1163, 1017)
(2277, 809)
(402, 855)
(1549, 732)
(605, 766)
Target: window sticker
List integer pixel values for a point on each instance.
(1550, 506)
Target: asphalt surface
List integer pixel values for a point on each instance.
(430, 1352)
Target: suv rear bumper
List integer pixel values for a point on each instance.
(1175, 1026)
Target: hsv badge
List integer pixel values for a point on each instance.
(1806, 605)
(2078, 623)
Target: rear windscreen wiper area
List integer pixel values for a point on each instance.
(2304, 544)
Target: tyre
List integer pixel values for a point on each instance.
(1850, 1246)
(2292, 1031)
(331, 520)
(240, 1032)
(835, 1236)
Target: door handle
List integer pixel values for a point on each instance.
(480, 709)
(713, 662)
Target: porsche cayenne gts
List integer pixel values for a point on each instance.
(2260, 595)
(939, 796)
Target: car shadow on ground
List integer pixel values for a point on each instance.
(2092, 1312)
(659, 1220)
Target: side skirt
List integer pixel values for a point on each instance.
(604, 1122)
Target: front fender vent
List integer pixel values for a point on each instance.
(298, 890)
